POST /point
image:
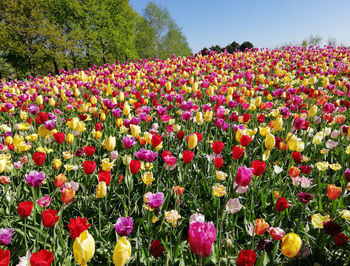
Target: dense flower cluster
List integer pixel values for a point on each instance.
(224, 158)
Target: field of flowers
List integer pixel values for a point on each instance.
(220, 159)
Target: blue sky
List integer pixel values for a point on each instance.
(266, 23)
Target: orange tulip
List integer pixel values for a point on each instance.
(333, 192)
(294, 171)
(261, 226)
(67, 195)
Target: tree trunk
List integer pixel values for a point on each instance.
(55, 65)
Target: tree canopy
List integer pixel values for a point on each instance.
(43, 36)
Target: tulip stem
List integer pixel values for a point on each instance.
(25, 233)
(99, 217)
(200, 260)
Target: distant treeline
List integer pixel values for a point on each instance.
(43, 36)
(234, 46)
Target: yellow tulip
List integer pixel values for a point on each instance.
(199, 118)
(119, 122)
(101, 190)
(109, 143)
(208, 116)
(43, 131)
(313, 111)
(317, 220)
(69, 138)
(56, 164)
(345, 214)
(135, 131)
(121, 96)
(103, 117)
(148, 137)
(106, 165)
(291, 244)
(277, 126)
(192, 141)
(84, 248)
(270, 141)
(126, 109)
(2, 165)
(122, 252)
(147, 178)
(39, 99)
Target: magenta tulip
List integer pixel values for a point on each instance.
(201, 237)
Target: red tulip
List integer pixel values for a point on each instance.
(77, 226)
(4, 257)
(246, 258)
(201, 237)
(219, 162)
(89, 167)
(296, 157)
(245, 140)
(187, 156)
(89, 150)
(156, 249)
(41, 258)
(49, 217)
(281, 204)
(258, 167)
(135, 166)
(59, 137)
(25, 208)
(156, 140)
(39, 158)
(237, 152)
(217, 146)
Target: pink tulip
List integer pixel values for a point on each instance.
(244, 176)
(276, 233)
(201, 237)
(233, 205)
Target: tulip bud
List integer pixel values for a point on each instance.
(192, 141)
(291, 244)
(109, 143)
(69, 138)
(84, 248)
(126, 109)
(122, 252)
(101, 190)
(56, 164)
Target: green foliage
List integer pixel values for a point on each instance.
(166, 35)
(41, 37)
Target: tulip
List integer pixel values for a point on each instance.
(291, 244)
(276, 233)
(135, 131)
(201, 237)
(83, 248)
(70, 138)
(261, 226)
(122, 252)
(124, 226)
(333, 192)
(244, 176)
(192, 141)
(56, 163)
(233, 205)
(5, 236)
(101, 190)
(269, 141)
(2, 165)
(109, 143)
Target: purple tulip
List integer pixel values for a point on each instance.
(5, 236)
(347, 174)
(201, 237)
(35, 179)
(128, 142)
(155, 200)
(146, 155)
(124, 226)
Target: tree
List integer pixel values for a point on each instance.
(145, 39)
(168, 36)
(216, 48)
(27, 35)
(232, 47)
(246, 45)
(313, 40)
(332, 41)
